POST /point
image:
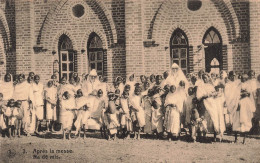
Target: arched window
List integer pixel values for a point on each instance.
(96, 53)
(66, 57)
(213, 50)
(179, 49)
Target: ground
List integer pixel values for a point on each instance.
(51, 148)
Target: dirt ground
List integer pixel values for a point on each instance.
(51, 148)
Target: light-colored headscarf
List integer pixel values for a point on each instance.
(89, 85)
(174, 78)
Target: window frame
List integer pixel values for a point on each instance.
(179, 47)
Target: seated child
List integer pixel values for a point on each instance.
(111, 113)
(18, 111)
(50, 103)
(126, 121)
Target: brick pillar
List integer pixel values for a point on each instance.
(254, 8)
(24, 18)
(134, 39)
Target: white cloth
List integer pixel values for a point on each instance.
(209, 103)
(38, 94)
(7, 89)
(136, 102)
(175, 78)
(242, 117)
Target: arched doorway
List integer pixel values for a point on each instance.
(96, 53)
(67, 57)
(213, 51)
(179, 49)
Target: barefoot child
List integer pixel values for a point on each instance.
(138, 114)
(50, 103)
(126, 122)
(18, 111)
(111, 112)
(10, 117)
(67, 104)
(197, 124)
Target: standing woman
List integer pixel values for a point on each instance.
(23, 91)
(130, 80)
(60, 90)
(6, 87)
(175, 76)
(244, 113)
(207, 94)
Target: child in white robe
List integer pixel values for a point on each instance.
(174, 107)
(11, 117)
(50, 103)
(67, 107)
(157, 114)
(38, 101)
(111, 113)
(137, 111)
(188, 105)
(126, 122)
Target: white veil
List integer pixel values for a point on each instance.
(174, 78)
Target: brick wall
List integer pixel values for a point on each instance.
(135, 34)
(255, 35)
(24, 36)
(241, 46)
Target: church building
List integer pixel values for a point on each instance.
(119, 37)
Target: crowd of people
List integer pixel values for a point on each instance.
(161, 105)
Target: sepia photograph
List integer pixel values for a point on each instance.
(129, 81)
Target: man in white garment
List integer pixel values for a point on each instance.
(38, 100)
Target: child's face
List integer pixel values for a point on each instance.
(8, 78)
(131, 78)
(125, 95)
(190, 91)
(12, 103)
(172, 89)
(111, 97)
(146, 86)
(158, 80)
(37, 80)
(50, 84)
(116, 86)
(152, 79)
(100, 94)
(18, 104)
(137, 92)
(143, 79)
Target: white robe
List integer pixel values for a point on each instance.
(136, 102)
(172, 121)
(7, 89)
(210, 104)
(242, 117)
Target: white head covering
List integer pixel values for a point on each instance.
(93, 72)
(174, 78)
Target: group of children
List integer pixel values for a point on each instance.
(163, 105)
